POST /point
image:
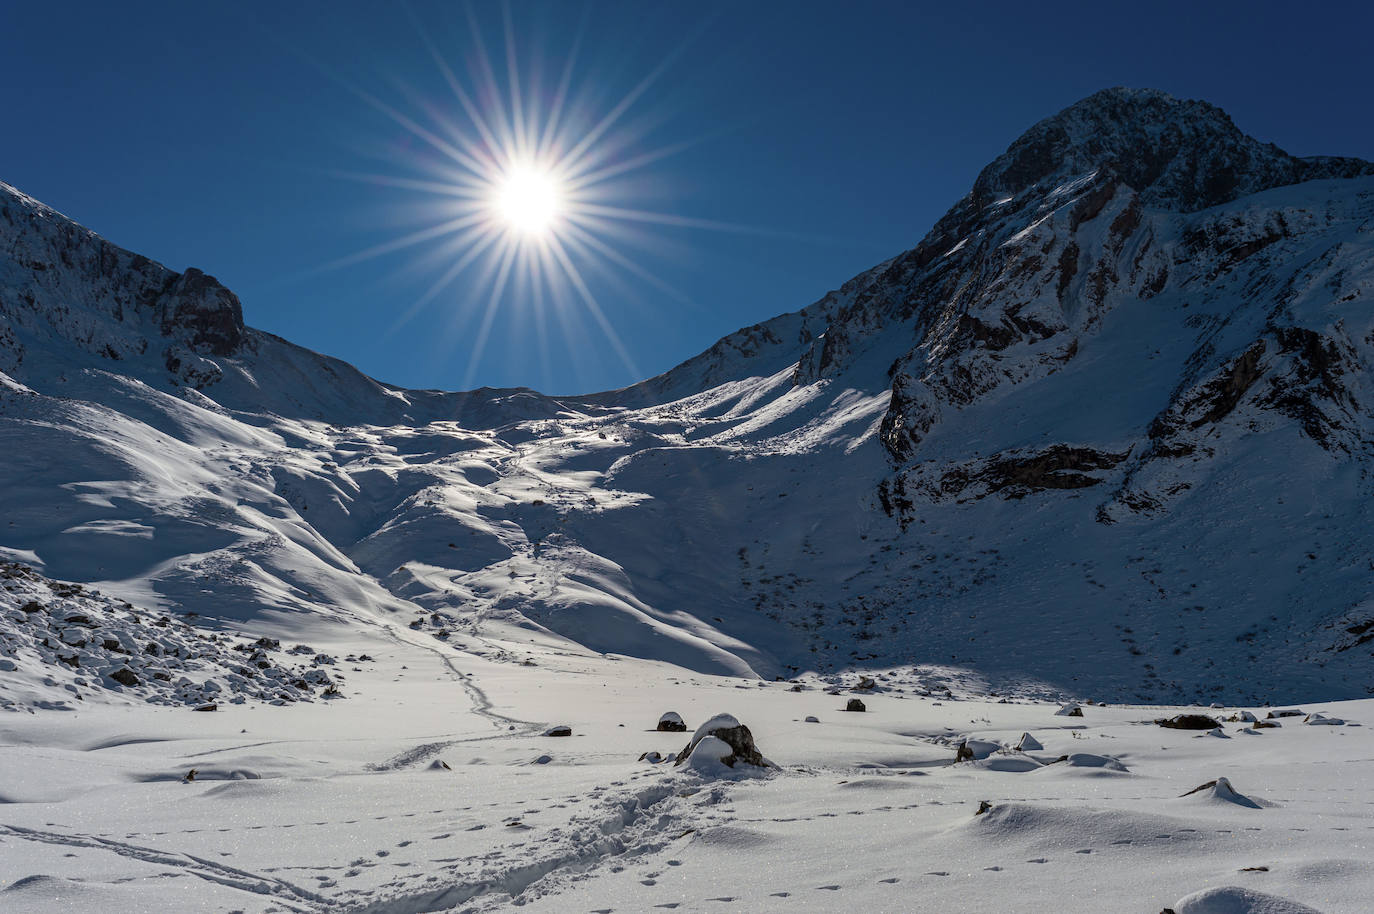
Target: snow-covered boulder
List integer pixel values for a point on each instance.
(1028, 743)
(671, 722)
(975, 750)
(1221, 790)
(1069, 710)
(1320, 719)
(725, 740)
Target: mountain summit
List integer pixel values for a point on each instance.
(1105, 430)
(1179, 155)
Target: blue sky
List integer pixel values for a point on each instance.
(795, 143)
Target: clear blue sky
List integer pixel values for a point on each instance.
(819, 138)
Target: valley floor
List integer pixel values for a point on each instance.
(345, 806)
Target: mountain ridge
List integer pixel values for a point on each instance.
(1089, 433)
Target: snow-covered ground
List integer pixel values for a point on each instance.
(431, 787)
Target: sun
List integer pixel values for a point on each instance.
(525, 177)
(528, 199)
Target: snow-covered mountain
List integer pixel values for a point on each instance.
(1105, 430)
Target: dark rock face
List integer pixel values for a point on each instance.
(1017, 475)
(203, 313)
(1188, 722)
(855, 704)
(125, 676)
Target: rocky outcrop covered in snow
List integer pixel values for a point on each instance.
(62, 643)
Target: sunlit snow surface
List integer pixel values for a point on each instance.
(341, 806)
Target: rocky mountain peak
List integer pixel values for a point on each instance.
(1181, 155)
(207, 314)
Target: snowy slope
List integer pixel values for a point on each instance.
(1104, 431)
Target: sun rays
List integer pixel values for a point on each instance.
(518, 186)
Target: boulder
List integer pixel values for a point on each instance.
(866, 684)
(1291, 712)
(975, 749)
(812, 719)
(1319, 719)
(719, 734)
(1069, 710)
(855, 704)
(1188, 722)
(1028, 743)
(560, 730)
(125, 677)
(671, 722)
(212, 706)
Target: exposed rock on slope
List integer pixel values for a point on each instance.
(1106, 428)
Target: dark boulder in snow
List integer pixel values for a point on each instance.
(125, 676)
(1188, 722)
(855, 704)
(560, 730)
(671, 722)
(866, 684)
(727, 740)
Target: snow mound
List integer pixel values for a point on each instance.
(1235, 900)
(1016, 764)
(1220, 790)
(1034, 826)
(1089, 760)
